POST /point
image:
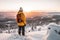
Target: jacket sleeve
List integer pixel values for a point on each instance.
(24, 18)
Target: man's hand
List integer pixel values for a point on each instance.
(24, 24)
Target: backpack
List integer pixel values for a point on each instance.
(19, 19)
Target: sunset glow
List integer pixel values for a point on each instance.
(30, 5)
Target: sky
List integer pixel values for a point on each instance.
(29, 5)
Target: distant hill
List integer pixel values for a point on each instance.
(54, 13)
(8, 14)
(28, 14)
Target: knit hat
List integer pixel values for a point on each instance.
(21, 9)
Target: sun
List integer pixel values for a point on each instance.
(27, 9)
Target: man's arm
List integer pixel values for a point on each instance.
(24, 18)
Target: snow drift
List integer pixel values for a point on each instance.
(53, 32)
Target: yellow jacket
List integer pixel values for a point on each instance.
(23, 18)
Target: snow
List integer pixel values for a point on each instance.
(4, 36)
(46, 32)
(29, 36)
(53, 33)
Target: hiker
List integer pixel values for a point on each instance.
(21, 22)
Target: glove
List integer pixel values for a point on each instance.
(24, 24)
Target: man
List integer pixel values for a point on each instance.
(21, 21)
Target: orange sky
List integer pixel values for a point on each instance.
(27, 14)
(35, 13)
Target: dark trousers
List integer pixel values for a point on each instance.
(21, 30)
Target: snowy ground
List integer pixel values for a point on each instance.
(47, 32)
(29, 36)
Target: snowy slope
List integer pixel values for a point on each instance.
(36, 35)
(47, 32)
(33, 35)
(53, 33)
